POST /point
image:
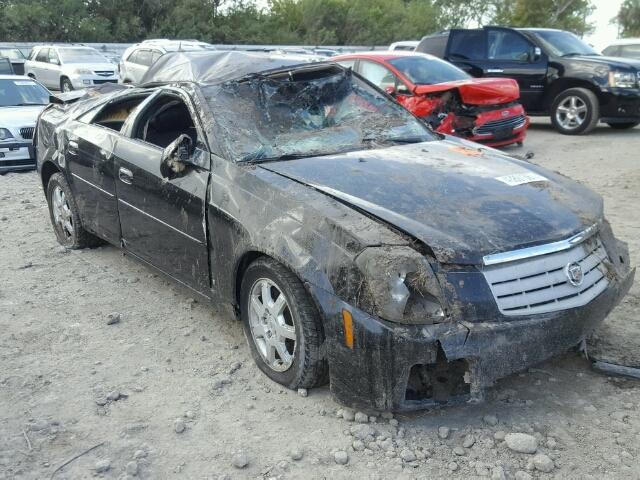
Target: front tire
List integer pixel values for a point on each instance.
(66, 85)
(282, 326)
(624, 126)
(64, 216)
(575, 111)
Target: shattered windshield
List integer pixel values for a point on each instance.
(308, 112)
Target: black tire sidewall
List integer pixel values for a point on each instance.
(292, 376)
(59, 180)
(64, 81)
(593, 111)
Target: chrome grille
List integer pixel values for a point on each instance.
(490, 128)
(103, 73)
(27, 132)
(541, 284)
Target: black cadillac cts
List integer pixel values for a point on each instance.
(358, 247)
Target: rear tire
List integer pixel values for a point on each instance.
(575, 111)
(66, 85)
(623, 126)
(265, 326)
(64, 215)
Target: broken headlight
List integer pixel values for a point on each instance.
(399, 285)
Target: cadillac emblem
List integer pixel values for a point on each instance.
(574, 273)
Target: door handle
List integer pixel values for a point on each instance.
(495, 70)
(125, 175)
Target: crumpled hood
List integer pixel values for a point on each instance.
(11, 117)
(462, 201)
(478, 91)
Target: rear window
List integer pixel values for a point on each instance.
(436, 45)
(467, 45)
(427, 71)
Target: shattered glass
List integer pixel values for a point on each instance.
(306, 113)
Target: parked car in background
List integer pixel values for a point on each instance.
(69, 67)
(407, 46)
(5, 66)
(559, 74)
(451, 101)
(21, 101)
(16, 58)
(625, 48)
(137, 59)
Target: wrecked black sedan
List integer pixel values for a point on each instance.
(358, 247)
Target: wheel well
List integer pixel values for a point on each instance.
(247, 259)
(48, 169)
(563, 84)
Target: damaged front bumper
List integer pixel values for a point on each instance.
(409, 367)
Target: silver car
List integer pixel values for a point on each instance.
(69, 67)
(21, 101)
(137, 59)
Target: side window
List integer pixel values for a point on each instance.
(43, 55)
(380, 76)
(114, 114)
(508, 45)
(53, 57)
(144, 57)
(155, 55)
(630, 51)
(467, 45)
(611, 51)
(164, 120)
(347, 63)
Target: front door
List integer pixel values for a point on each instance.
(511, 55)
(163, 220)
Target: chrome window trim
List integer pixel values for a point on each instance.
(523, 253)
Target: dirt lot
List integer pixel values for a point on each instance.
(170, 391)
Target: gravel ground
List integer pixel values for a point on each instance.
(98, 351)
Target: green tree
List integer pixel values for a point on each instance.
(628, 19)
(569, 15)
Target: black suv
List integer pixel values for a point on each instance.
(558, 73)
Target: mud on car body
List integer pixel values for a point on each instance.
(357, 246)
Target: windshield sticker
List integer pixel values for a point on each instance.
(520, 178)
(23, 82)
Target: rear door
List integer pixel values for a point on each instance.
(90, 161)
(163, 220)
(53, 69)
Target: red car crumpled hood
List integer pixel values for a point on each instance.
(477, 91)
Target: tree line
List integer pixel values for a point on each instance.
(309, 22)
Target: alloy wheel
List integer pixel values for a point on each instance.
(272, 325)
(61, 212)
(571, 112)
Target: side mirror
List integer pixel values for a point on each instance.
(391, 90)
(176, 156)
(537, 53)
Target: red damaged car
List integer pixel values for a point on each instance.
(484, 110)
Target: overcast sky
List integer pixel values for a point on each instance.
(605, 32)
